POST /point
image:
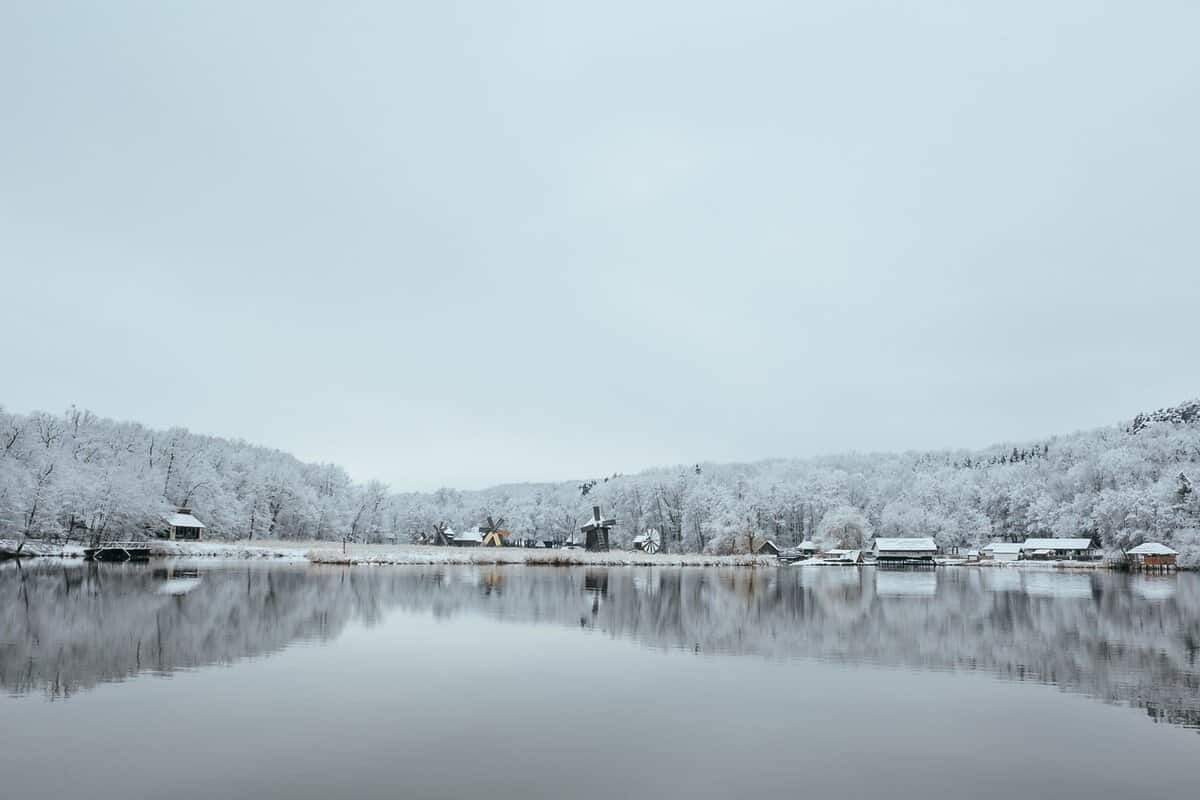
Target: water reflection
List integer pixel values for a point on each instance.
(1117, 638)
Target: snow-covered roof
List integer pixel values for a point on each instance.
(1010, 548)
(178, 520)
(1152, 549)
(807, 544)
(1057, 544)
(920, 544)
(469, 535)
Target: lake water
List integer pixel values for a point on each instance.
(296, 681)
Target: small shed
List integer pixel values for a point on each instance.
(768, 548)
(1003, 552)
(183, 526)
(808, 547)
(906, 551)
(1152, 555)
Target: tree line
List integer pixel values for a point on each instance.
(77, 476)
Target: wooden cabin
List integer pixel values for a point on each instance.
(905, 552)
(183, 526)
(768, 548)
(1061, 550)
(1151, 555)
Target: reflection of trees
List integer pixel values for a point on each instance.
(1115, 637)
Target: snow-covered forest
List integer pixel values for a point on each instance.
(75, 475)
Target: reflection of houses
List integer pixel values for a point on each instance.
(905, 552)
(1151, 555)
(468, 538)
(1060, 549)
(182, 526)
(1003, 552)
(903, 583)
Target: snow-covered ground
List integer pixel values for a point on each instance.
(417, 554)
(8, 547)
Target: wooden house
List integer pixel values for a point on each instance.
(905, 552)
(1151, 555)
(183, 526)
(1060, 550)
(768, 548)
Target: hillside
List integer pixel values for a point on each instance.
(78, 475)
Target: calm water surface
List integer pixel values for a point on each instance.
(224, 681)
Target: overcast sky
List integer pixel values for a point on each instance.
(465, 243)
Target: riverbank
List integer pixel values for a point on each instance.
(403, 554)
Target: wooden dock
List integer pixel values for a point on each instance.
(118, 551)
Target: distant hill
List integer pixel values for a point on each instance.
(76, 475)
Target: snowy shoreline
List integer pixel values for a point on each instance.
(427, 555)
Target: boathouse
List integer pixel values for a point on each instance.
(1060, 550)
(905, 552)
(182, 526)
(1151, 555)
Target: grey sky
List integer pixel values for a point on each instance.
(464, 243)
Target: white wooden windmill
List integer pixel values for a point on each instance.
(596, 530)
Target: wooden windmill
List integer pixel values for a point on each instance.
(442, 535)
(493, 532)
(596, 530)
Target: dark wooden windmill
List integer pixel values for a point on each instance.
(493, 532)
(596, 530)
(442, 535)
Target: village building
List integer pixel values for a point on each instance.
(1151, 555)
(182, 526)
(1060, 550)
(468, 538)
(807, 547)
(1003, 552)
(905, 552)
(768, 548)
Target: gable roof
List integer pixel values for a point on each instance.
(1152, 549)
(178, 520)
(1004, 547)
(919, 544)
(1057, 544)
